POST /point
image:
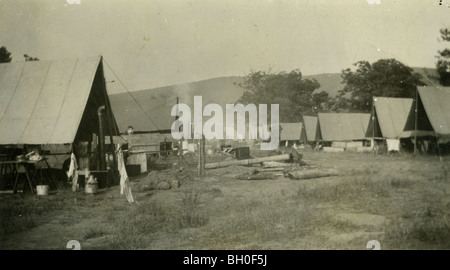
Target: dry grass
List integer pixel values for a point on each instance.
(400, 200)
(132, 230)
(20, 212)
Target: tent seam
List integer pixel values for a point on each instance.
(35, 104)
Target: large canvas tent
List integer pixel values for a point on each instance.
(343, 126)
(54, 102)
(433, 114)
(312, 130)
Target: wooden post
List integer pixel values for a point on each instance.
(438, 149)
(180, 143)
(203, 155)
(180, 152)
(416, 121)
(199, 159)
(372, 143)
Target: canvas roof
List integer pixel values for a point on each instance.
(43, 102)
(311, 124)
(436, 102)
(292, 132)
(433, 113)
(343, 126)
(390, 117)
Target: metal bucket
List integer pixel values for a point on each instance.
(42, 189)
(91, 186)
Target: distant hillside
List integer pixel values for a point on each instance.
(428, 75)
(158, 102)
(330, 82)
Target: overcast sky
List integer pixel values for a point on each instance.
(150, 43)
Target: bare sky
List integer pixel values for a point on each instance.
(150, 43)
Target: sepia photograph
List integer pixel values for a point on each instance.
(224, 125)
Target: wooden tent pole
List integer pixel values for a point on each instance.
(416, 121)
(373, 124)
(109, 118)
(199, 159)
(439, 150)
(180, 142)
(101, 138)
(203, 154)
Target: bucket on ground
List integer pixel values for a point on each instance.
(91, 185)
(42, 189)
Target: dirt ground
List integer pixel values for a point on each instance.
(400, 201)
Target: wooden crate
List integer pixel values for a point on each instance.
(138, 158)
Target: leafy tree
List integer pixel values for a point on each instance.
(5, 56)
(30, 58)
(384, 78)
(293, 93)
(443, 63)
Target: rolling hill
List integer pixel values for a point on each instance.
(150, 109)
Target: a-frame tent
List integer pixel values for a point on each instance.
(312, 128)
(60, 102)
(429, 117)
(343, 126)
(388, 120)
(291, 133)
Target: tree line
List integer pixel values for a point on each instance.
(5, 56)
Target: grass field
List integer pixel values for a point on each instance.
(399, 200)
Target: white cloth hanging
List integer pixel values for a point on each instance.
(393, 144)
(72, 173)
(124, 181)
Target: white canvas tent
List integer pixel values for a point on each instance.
(343, 126)
(388, 120)
(312, 130)
(292, 132)
(433, 114)
(54, 102)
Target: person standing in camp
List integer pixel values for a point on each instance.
(130, 130)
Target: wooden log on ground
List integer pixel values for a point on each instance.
(314, 173)
(272, 164)
(247, 161)
(259, 176)
(274, 169)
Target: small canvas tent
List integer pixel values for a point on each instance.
(312, 130)
(343, 126)
(388, 119)
(54, 102)
(291, 133)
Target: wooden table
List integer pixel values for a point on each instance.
(26, 165)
